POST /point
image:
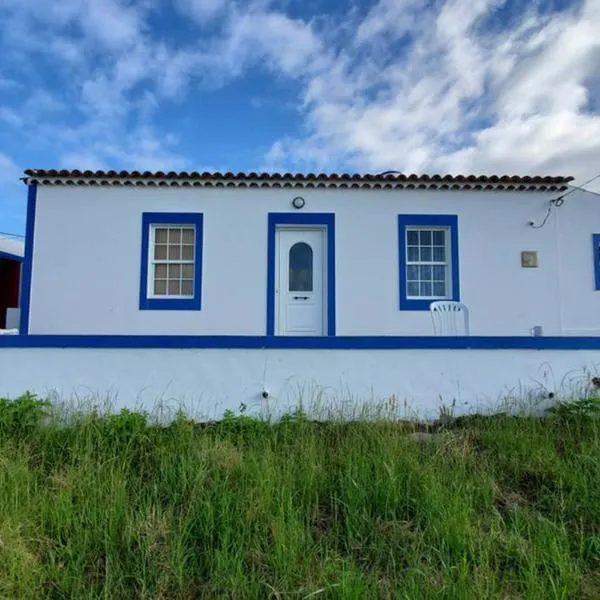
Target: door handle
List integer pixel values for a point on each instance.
(300, 297)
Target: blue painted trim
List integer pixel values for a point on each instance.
(10, 256)
(293, 342)
(596, 255)
(28, 259)
(326, 219)
(164, 218)
(434, 220)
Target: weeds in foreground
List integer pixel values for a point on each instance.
(112, 506)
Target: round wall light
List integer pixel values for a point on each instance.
(298, 202)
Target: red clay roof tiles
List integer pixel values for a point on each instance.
(252, 179)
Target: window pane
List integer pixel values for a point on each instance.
(425, 273)
(187, 287)
(174, 252)
(187, 271)
(160, 271)
(160, 252)
(425, 246)
(412, 238)
(412, 272)
(439, 253)
(439, 273)
(439, 289)
(160, 235)
(187, 236)
(439, 238)
(174, 236)
(412, 289)
(301, 268)
(174, 287)
(426, 254)
(425, 288)
(160, 287)
(187, 252)
(174, 271)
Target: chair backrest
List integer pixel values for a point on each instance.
(449, 317)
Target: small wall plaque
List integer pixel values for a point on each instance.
(529, 259)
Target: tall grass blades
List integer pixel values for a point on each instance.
(117, 506)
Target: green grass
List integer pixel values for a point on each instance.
(114, 507)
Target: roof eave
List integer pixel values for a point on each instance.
(298, 180)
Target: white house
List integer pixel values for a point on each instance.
(178, 273)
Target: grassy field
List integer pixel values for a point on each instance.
(112, 507)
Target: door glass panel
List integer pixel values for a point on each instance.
(301, 268)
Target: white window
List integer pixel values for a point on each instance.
(172, 268)
(428, 263)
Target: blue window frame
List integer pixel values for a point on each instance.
(428, 269)
(171, 261)
(596, 255)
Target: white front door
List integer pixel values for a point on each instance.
(300, 281)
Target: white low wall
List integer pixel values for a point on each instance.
(13, 316)
(206, 382)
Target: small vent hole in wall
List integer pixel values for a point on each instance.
(529, 259)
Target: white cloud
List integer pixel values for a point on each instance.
(112, 23)
(389, 17)
(458, 97)
(73, 28)
(143, 148)
(202, 11)
(400, 87)
(83, 160)
(9, 171)
(10, 116)
(281, 42)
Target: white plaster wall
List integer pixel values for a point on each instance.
(87, 260)
(13, 317)
(342, 383)
(575, 223)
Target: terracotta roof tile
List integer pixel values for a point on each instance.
(369, 180)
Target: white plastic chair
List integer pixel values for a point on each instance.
(449, 317)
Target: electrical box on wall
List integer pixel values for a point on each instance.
(529, 259)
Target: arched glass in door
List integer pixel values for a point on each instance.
(301, 268)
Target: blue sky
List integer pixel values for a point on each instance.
(454, 86)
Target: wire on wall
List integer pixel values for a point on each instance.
(558, 202)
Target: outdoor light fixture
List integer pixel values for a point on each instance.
(298, 202)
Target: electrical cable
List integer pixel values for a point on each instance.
(579, 187)
(558, 202)
(582, 186)
(532, 223)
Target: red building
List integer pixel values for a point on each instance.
(11, 260)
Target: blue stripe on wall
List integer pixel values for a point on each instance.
(292, 342)
(28, 259)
